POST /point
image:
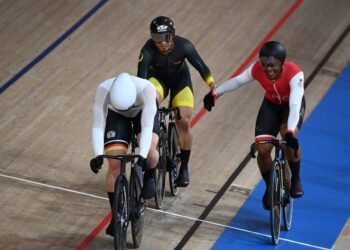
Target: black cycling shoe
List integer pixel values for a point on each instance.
(297, 190)
(183, 180)
(149, 185)
(110, 229)
(265, 200)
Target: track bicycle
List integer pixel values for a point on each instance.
(128, 203)
(279, 197)
(169, 153)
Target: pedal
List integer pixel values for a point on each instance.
(170, 164)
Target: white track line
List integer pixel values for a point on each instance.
(161, 211)
(54, 187)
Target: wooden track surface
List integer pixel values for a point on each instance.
(46, 114)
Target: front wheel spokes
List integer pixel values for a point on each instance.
(287, 200)
(137, 206)
(175, 156)
(120, 212)
(161, 170)
(275, 202)
(287, 209)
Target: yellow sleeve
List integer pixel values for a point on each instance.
(209, 80)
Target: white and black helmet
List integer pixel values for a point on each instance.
(123, 92)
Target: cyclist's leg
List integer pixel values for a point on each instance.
(116, 138)
(297, 189)
(264, 161)
(267, 125)
(149, 187)
(162, 90)
(184, 99)
(153, 155)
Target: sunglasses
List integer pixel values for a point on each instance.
(270, 62)
(161, 37)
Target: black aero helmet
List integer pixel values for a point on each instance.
(162, 24)
(273, 49)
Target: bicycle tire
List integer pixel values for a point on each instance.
(161, 169)
(287, 205)
(174, 153)
(120, 212)
(136, 208)
(287, 210)
(275, 202)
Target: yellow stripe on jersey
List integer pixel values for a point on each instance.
(140, 57)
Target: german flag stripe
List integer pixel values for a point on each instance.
(116, 146)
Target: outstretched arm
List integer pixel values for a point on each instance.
(230, 85)
(235, 82)
(196, 61)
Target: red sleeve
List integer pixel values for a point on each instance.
(291, 69)
(257, 70)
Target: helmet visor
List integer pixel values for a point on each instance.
(270, 62)
(162, 37)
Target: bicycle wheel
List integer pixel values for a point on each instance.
(287, 210)
(120, 212)
(137, 207)
(275, 202)
(287, 205)
(175, 156)
(161, 169)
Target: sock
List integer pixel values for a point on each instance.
(266, 177)
(185, 157)
(149, 173)
(295, 169)
(110, 197)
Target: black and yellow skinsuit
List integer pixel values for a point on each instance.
(171, 72)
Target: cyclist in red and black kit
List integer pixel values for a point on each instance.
(163, 62)
(282, 110)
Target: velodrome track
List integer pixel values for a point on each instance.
(55, 53)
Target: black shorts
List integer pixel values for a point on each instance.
(179, 86)
(271, 116)
(118, 130)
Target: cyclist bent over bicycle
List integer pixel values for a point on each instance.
(163, 61)
(120, 103)
(282, 109)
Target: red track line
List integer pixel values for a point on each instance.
(95, 232)
(200, 114)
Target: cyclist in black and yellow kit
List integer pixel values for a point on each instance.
(162, 61)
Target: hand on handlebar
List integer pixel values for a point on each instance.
(142, 162)
(292, 142)
(95, 164)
